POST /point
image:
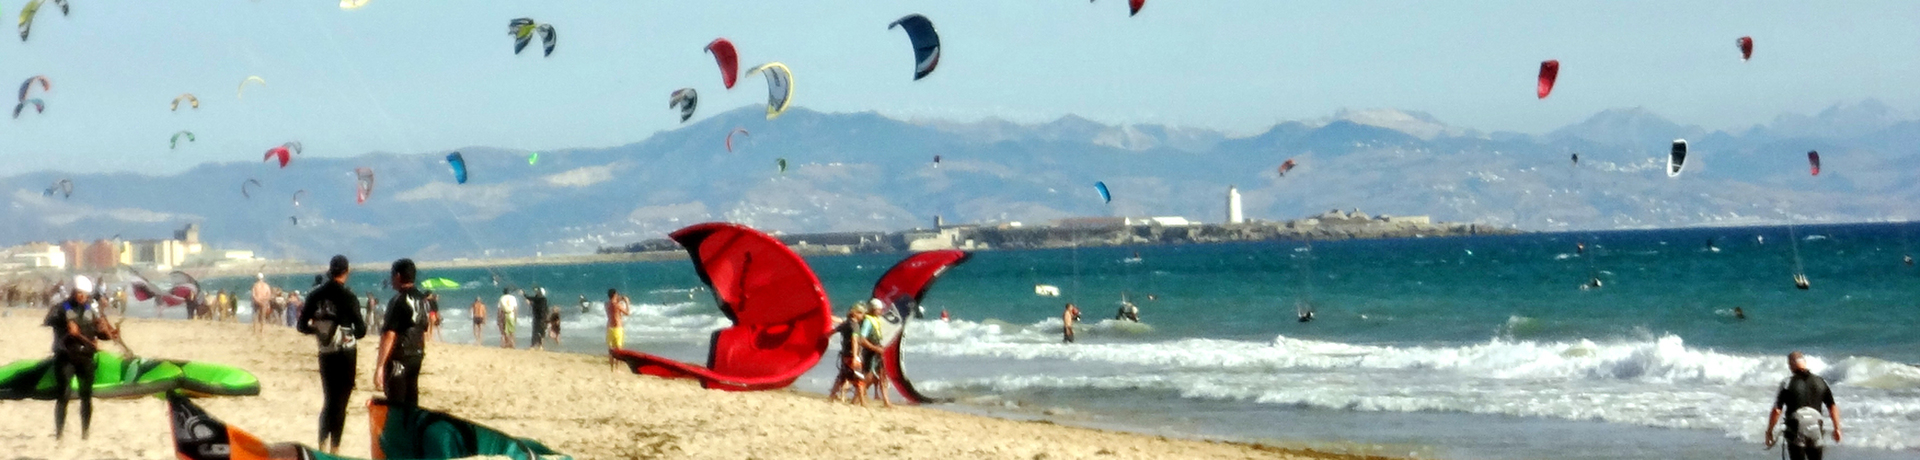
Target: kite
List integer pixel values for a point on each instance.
(782, 163)
(297, 196)
(63, 186)
(33, 8)
(28, 85)
(284, 153)
(176, 139)
(353, 4)
(523, 29)
(1104, 194)
(244, 193)
(781, 322)
(1677, 160)
(241, 93)
(902, 288)
(191, 100)
(1549, 71)
(779, 87)
(1133, 6)
(926, 43)
(1287, 166)
(685, 99)
(363, 184)
(727, 58)
(38, 107)
(534, 158)
(1576, 158)
(740, 131)
(459, 165)
(1813, 158)
(936, 161)
(1746, 47)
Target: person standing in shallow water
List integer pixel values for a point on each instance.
(1067, 320)
(1801, 397)
(331, 314)
(403, 339)
(616, 325)
(479, 319)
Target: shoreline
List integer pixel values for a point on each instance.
(572, 402)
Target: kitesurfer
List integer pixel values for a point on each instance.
(1800, 282)
(77, 326)
(262, 297)
(1128, 311)
(508, 305)
(944, 316)
(331, 314)
(1907, 259)
(403, 339)
(1592, 283)
(853, 340)
(616, 325)
(584, 305)
(1801, 397)
(1067, 318)
(479, 318)
(1580, 248)
(1739, 314)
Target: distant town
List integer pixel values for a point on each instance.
(1112, 231)
(183, 250)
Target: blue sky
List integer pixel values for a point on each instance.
(417, 76)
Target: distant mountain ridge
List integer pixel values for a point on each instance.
(863, 171)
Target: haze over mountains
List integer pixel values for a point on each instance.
(862, 171)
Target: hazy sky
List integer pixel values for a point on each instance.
(414, 76)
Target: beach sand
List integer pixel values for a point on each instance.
(574, 403)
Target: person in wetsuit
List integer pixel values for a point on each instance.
(77, 326)
(402, 339)
(537, 303)
(331, 314)
(1801, 397)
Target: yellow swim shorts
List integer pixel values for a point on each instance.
(616, 338)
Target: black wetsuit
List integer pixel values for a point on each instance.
(1802, 390)
(847, 348)
(73, 358)
(332, 314)
(407, 320)
(538, 304)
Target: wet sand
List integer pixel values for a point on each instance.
(571, 402)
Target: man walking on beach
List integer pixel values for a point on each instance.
(508, 305)
(77, 326)
(479, 318)
(1802, 396)
(616, 325)
(332, 315)
(402, 339)
(262, 296)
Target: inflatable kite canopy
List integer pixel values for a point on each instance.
(781, 318)
(902, 287)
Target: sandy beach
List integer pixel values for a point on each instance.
(573, 403)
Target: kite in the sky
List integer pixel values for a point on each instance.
(38, 107)
(1677, 159)
(1104, 194)
(782, 164)
(245, 192)
(459, 165)
(64, 187)
(1287, 166)
(1549, 71)
(779, 87)
(727, 58)
(1813, 160)
(302, 193)
(523, 29)
(171, 144)
(33, 8)
(926, 43)
(1133, 6)
(1746, 47)
(241, 93)
(740, 131)
(192, 101)
(353, 4)
(363, 184)
(26, 86)
(284, 153)
(685, 99)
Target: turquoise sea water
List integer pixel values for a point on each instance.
(1454, 347)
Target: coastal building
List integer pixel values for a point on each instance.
(1233, 206)
(38, 255)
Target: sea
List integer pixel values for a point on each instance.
(1469, 347)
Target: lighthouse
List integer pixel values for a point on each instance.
(1233, 206)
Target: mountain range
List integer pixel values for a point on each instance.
(864, 171)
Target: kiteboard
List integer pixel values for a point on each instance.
(119, 377)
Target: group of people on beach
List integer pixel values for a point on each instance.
(862, 355)
(543, 317)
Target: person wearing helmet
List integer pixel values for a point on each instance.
(77, 328)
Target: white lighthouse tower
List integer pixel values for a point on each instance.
(1233, 206)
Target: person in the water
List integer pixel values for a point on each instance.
(1128, 312)
(1907, 259)
(1739, 314)
(1800, 282)
(1067, 318)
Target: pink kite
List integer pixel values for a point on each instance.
(901, 288)
(781, 318)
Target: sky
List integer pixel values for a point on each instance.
(420, 76)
